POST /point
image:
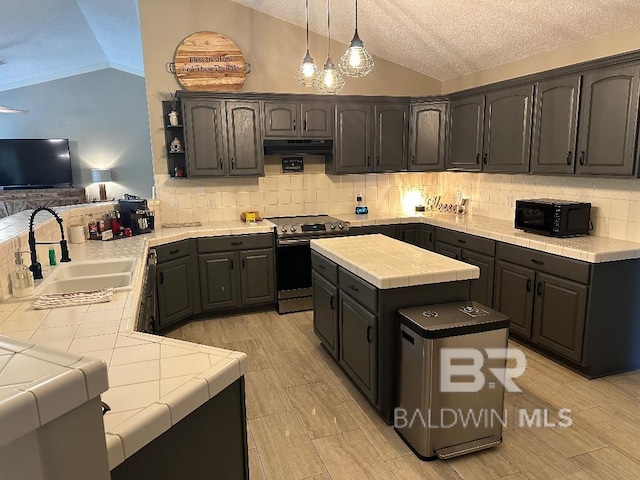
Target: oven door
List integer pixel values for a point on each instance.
(293, 267)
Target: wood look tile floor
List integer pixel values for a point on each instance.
(307, 421)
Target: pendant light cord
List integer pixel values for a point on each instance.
(307, 6)
(356, 16)
(329, 25)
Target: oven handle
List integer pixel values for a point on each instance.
(293, 241)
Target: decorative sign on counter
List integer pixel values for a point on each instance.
(209, 61)
(292, 165)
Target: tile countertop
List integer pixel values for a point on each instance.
(388, 263)
(153, 381)
(39, 384)
(589, 248)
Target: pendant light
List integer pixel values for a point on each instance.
(308, 71)
(356, 61)
(329, 81)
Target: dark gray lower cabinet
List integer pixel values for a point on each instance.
(257, 277)
(174, 291)
(482, 288)
(358, 331)
(448, 250)
(514, 295)
(409, 233)
(219, 280)
(427, 237)
(559, 315)
(325, 313)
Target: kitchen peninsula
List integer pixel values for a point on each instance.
(359, 283)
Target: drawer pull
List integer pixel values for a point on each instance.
(173, 252)
(408, 338)
(430, 236)
(537, 262)
(235, 244)
(461, 240)
(369, 330)
(320, 266)
(353, 287)
(161, 278)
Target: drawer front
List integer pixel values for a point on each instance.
(365, 293)
(172, 251)
(485, 246)
(325, 267)
(234, 242)
(545, 262)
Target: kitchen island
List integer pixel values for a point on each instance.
(359, 283)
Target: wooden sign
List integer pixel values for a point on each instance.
(210, 61)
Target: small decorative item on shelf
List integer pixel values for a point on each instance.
(176, 146)
(173, 118)
(178, 172)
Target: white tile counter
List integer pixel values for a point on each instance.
(153, 381)
(589, 248)
(388, 263)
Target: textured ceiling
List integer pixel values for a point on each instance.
(43, 40)
(448, 38)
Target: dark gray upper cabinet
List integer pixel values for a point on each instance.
(507, 130)
(352, 144)
(555, 125)
(281, 119)
(293, 119)
(317, 120)
(608, 120)
(244, 138)
(325, 313)
(559, 315)
(219, 287)
(466, 133)
(427, 136)
(205, 131)
(391, 137)
(257, 277)
(174, 291)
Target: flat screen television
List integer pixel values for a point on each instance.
(35, 163)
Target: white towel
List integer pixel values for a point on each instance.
(57, 300)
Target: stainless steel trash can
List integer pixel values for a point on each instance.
(449, 401)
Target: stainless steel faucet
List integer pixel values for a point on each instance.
(35, 267)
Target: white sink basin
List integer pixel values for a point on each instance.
(80, 284)
(95, 268)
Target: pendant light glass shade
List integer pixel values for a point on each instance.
(356, 61)
(307, 73)
(329, 81)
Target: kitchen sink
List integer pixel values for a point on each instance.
(80, 284)
(94, 268)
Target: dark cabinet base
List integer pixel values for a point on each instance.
(211, 442)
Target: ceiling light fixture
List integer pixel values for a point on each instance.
(329, 81)
(307, 73)
(11, 110)
(356, 61)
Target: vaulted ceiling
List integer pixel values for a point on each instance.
(42, 40)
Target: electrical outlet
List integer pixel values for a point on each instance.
(174, 204)
(509, 200)
(358, 197)
(211, 203)
(459, 197)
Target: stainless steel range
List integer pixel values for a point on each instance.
(293, 256)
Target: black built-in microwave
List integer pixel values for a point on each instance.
(555, 218)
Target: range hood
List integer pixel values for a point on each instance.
(298, 147)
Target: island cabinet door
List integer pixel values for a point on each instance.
(514, 295)
(219, 286)
(325, 313)
(559, 315)
(358, 352)
(174, 291)
(257, 277)
(482, 288)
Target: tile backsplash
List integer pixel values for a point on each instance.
(615, 213)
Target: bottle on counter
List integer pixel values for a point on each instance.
(52, 257)
(93, 229)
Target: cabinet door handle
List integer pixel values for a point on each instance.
(243, 264)
(368, 160)
(161, 278)
(378, 160)
(304, 125)
(353, 287)
(461, 240)
(539, 288)
(408, 337)
(369, 330)
(221, 164)
(485, 158)
(233, 164)
(231, 260)
(173, 252)
(477, 158)
(331, 300)
(235, 244)
(582, 158)
(430, 236)
(537, 262)
(321, 267)
(528, 284)
(569, 155)
(294, 124)
(413, 159)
